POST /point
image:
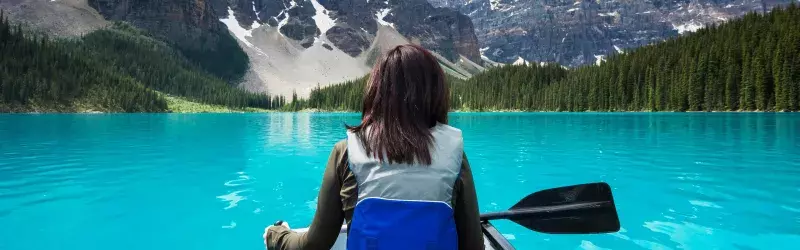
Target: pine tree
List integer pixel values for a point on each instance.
(759, 80)
(782, 86)
(793, 74)
(697, 84)
(747, 100)
(778, 62)
(651, 86)
(294, 101)
(732, 83)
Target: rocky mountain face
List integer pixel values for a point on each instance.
(190, 25)
(182, 21)
(577, 32)
(351, 25)
(56, 18)
(296, 45)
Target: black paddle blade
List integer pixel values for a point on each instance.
(579, 209)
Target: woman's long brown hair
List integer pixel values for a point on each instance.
(405, 97)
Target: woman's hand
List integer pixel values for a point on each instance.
(279, 223)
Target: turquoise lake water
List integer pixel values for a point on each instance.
(213, 181)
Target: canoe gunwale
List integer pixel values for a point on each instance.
(492, 238)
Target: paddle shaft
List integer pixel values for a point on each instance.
(527, 212)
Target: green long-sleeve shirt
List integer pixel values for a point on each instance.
(337, 199)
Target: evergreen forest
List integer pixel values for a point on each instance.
(116, 69)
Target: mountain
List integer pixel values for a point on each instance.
(278, 46)
(578, 32)
(295, 45)
(350, 25)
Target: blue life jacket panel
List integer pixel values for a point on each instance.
(406, 206)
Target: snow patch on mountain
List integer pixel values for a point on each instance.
(486, 60)
(614, 14)
(521, 61)
(618, 49)
(687, 27)
(599, 59)
(233, 26)
(382, 14)
(256, 11)
(324, 22)
(483, 53)
(494, 4)
(285, 19)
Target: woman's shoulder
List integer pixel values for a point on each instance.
(340, 146)
(448, 127)
(447, 130)
(340, 159)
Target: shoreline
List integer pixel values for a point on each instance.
(225, 110)
(179, 105)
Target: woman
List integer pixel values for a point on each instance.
(401, 179)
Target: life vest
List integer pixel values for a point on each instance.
(405, 206)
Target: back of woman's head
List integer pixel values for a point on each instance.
(405, 97)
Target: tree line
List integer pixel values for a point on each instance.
(117, 69)
(748, 64)
(345, 96)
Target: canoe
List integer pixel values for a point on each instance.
(491, 239)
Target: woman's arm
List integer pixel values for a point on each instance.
(467, 215)
(328, 218)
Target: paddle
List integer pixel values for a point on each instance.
(579, 209)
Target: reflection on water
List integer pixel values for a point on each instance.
(696, 181)
(289, 129)
(280, 128)
(304, 130)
